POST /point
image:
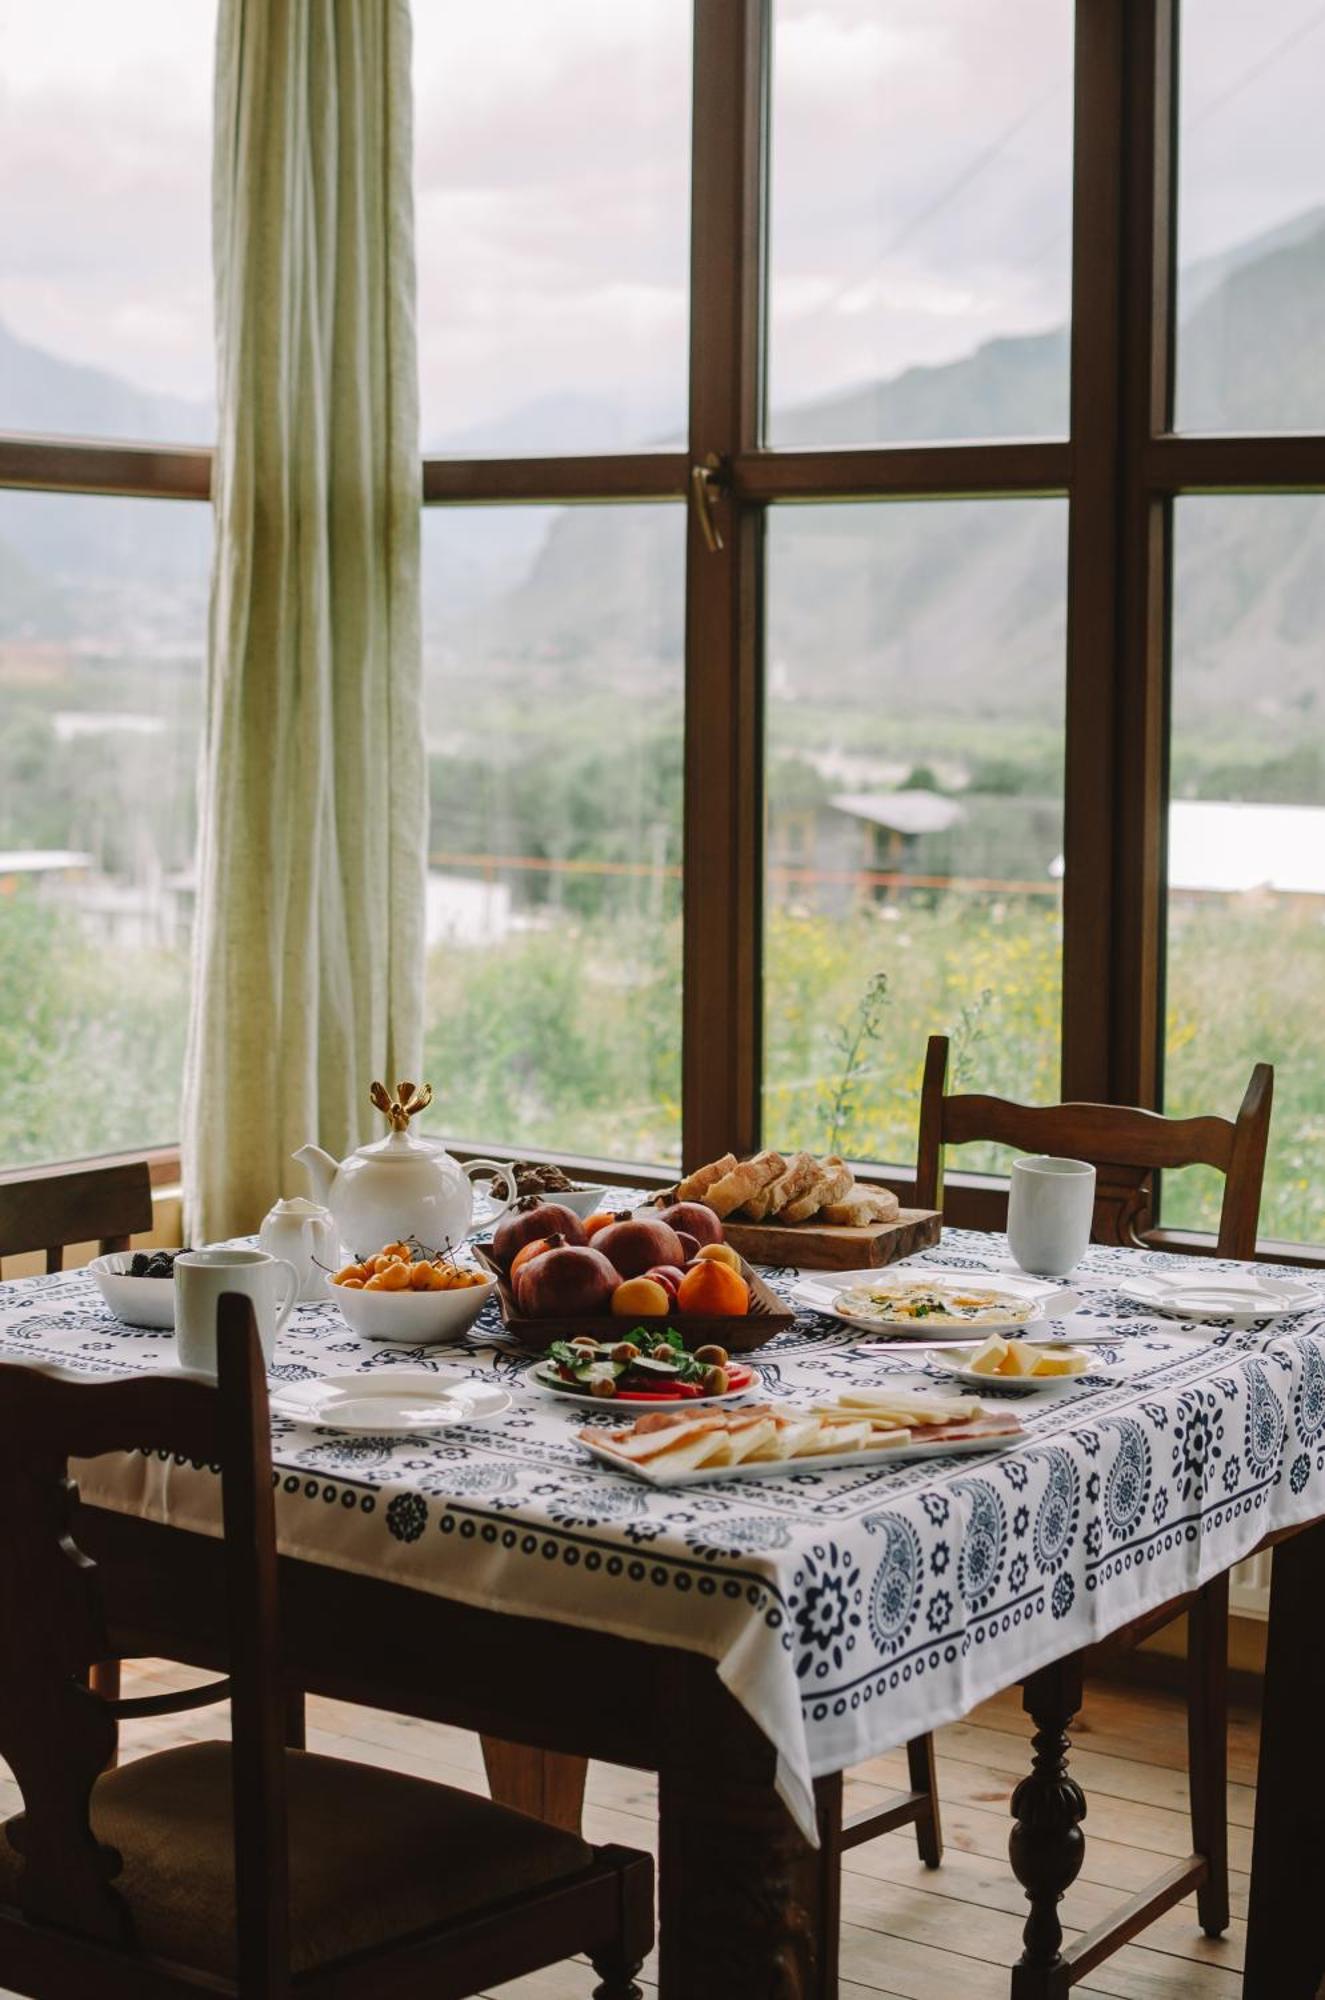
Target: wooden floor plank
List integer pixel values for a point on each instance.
(908, 1933)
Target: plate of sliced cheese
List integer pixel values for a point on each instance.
(1016, 1367)
(922, 1305)
(775, 1440)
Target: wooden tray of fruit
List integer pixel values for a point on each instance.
(558, 1276)
(809, 1211)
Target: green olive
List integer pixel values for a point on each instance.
(716, 1357)
(715, 1382)
(625, 1350)
(603, 1387)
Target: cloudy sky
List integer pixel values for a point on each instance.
(920, 195)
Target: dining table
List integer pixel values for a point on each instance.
(751, 1639)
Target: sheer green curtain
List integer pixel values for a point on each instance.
(309, 949)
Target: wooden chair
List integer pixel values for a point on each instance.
(49, 1211)
(244, 1868)
(1126, 1148)
(105, 1205)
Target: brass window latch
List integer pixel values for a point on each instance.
(708, 484)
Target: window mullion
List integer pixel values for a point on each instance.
(722, 1003)
(1141, 776)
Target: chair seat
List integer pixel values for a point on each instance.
(374, 1856)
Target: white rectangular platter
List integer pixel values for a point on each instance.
(827, 1461)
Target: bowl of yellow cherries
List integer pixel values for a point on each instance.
(412, 1295)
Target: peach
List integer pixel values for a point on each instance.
(719, 1253)
(642, 1297)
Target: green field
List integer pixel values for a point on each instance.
(569, 1036)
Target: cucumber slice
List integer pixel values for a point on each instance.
(600, 1371)
(654, 1364)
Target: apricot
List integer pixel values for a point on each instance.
(398, 1249)
(395, 1278)
(593, 1223)
(351, 1284)
(640, 1296)
(420, 1277)
(382, 1262)
(348, 1271)
(719, 1253)
(374, 1284)
(711, 1286)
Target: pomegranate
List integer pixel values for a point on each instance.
(694, 1219)
(525, 1225)
(572, 1280)
(538, 1248)
(689, 1245)
(668, 1276)
(637, 1243)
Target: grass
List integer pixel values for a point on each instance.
(568, 1035)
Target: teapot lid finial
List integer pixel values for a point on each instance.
(409, 1099)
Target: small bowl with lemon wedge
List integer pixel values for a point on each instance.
(1017, 1367)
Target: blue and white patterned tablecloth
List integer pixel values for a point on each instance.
(847, 1610)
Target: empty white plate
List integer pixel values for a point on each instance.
(1240, 1297)
(398, 1399)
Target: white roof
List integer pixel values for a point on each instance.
(903, 812)
(40, 860)
(1214, 844)
(1226, 846)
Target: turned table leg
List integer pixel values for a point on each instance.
(1047, 1845)
(543, 1783)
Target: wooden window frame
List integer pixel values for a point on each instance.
(1120, 469)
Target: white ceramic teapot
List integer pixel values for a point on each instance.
(301, 1233)
(400, 1187)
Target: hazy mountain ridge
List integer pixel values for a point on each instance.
(946, 603)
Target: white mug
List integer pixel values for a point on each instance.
(200, 1278)
(1050, 1207)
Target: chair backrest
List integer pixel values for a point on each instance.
(56, 1734)
(1125, 1146)
(105, 1205)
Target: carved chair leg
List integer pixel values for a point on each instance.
(618, 1962)
(1047, 1846)
(618, 1978)
(1207, 1747)
(104, 1680)
(924, 1778)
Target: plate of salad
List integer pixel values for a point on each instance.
(643, 1366)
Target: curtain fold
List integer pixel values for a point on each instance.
(309, 942)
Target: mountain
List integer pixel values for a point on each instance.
(924, 609)
(41, 393)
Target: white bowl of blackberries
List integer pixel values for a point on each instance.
(138, 1285)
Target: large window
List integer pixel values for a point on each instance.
(921, 220)
(874, 469)
(105, 226)
(914, 810)
(105, 365)
(555, 754)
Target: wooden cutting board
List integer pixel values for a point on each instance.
(822, 1247)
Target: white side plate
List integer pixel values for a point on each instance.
(1240, 1297)
(398, 1399)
